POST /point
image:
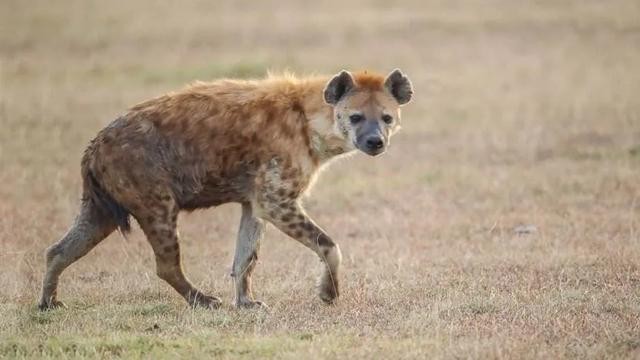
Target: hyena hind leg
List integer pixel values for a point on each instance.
(248, 243)
(89, 228)
(160, 227)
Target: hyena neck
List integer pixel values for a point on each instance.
(325, 145)
(326, 141)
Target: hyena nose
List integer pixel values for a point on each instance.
(375, 143)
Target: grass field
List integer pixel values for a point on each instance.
(504, 222)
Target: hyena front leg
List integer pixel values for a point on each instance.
(247, 246)
(89, 229)
(291, 219)
(160, 227)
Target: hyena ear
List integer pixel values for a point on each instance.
(399, 85)
(337, 87)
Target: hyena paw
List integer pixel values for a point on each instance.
(251, 304)
(328, 292)
(205, 301)
(51, 305)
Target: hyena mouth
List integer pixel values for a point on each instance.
(375, 152)
(372, 151)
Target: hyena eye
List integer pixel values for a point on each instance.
(388, 119)
(356, 118)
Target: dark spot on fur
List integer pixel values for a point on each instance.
(269, 116)
(292, 225)
(282, 192)
(150, 219)
(308, 226)
(298, 234)
(286, 218)
(163, 212)
(325, 241)
(287, 132)
(170, 248)
(296, 106)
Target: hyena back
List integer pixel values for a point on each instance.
(257, 143)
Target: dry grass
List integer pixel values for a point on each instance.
(526, 114)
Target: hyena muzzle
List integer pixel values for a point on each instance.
(258, 143)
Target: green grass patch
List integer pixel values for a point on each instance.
(121, 345)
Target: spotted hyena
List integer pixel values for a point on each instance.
(258, 143)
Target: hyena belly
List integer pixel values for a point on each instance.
(216, 189)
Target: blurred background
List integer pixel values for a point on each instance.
(505, 213)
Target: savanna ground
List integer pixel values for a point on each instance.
(525, 114)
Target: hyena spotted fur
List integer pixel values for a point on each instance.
(258, 143)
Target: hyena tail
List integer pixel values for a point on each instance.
(104, 202)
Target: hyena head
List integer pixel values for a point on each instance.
(367, 108)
